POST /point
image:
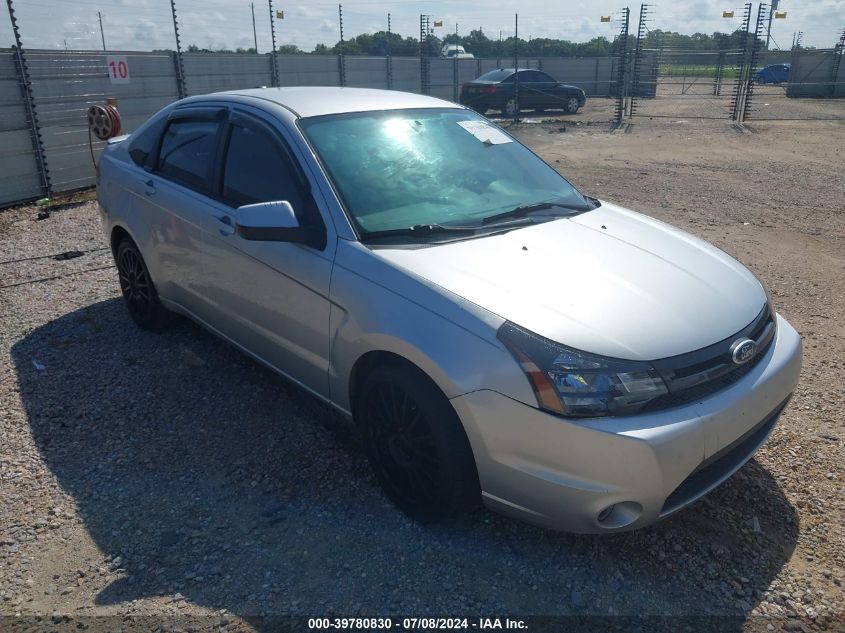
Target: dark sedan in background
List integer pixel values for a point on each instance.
(538, 90)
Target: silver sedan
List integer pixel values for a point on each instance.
(494, 333)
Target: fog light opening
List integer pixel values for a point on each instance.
(619, 515)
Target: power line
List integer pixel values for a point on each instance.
(43, 279)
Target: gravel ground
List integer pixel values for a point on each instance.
(167, 478)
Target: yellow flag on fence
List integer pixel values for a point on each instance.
(727, 14)
(605, 18)
(780, 15)
(280, 15)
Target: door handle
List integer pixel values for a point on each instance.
(149, 187)
(228, 229)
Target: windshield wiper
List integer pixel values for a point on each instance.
(525, 209)
(419, 230)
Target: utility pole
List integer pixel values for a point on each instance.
(254, 33)
(772, 8)
(180, 67)
(455, 67)
(25, 83)
(102, 36)
(499, 60)
(273, 51)
(341, 59)
(389, 57)
(516, 64)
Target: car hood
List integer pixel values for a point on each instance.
(609, 281)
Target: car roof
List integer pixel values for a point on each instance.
(308, 101)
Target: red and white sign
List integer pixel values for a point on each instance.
(118, 69)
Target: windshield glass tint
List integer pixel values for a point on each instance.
(403, 168)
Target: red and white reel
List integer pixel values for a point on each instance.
(104, 121)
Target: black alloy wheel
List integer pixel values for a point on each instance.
(137, 287)
(416, 444)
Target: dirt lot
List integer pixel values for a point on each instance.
(152, 477)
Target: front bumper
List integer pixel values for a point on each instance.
(561, 473)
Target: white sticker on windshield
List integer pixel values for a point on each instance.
(485, 132)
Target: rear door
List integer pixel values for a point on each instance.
(531, 89)
(172, 190)
(549, 92)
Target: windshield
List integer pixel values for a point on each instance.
(403, 168)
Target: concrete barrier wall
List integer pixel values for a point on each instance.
(66, 83)
(308, 70)
(215, 72)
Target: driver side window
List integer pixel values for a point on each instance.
(257, 168)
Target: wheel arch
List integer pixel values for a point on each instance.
(373, 358)
(118, 234)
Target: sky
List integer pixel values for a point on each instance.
(147, 24)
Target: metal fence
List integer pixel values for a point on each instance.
(45, 94)
(814, 89)
(736, 82)
(64, 84)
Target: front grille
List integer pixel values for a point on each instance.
(696, 375)
(722, 465)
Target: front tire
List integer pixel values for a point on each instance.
(136, 285)
(416, 444)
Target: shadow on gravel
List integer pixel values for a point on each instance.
(208, 476)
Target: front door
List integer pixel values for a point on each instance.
(269, 297)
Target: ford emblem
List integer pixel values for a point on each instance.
(743, 350)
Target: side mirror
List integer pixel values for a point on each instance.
(275, 222)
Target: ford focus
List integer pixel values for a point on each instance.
(497, 335)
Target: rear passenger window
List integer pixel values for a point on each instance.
(187, 151)
(531, 77)
(257, 169)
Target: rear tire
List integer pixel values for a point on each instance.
(416, 444)
(136, 285)
(511, 107)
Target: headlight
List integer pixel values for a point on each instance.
(573, 383)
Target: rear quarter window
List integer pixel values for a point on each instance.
(143, 144)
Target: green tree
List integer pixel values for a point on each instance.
(290, 49)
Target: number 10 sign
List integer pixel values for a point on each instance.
(118, 69)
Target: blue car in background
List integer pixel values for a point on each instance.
(772, 74)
